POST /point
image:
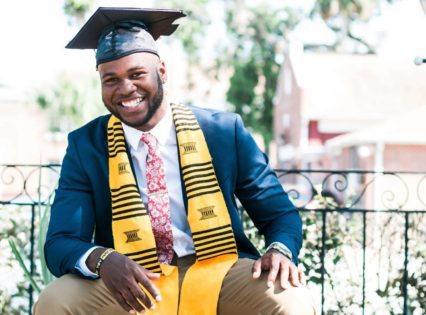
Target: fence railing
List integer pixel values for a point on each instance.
(26, 188)
(364, 234)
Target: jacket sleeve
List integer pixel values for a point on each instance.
(72, 218)
(263, 196)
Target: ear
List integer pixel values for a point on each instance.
(162, 70)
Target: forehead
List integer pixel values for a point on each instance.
(127, 63)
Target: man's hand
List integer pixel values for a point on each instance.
(278, 265)
(123, 277)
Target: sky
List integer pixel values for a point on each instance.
(33, 36)
(32, 47)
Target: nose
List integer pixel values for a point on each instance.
(127, 87)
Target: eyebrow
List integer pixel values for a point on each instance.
(107, 74)
(130, 70)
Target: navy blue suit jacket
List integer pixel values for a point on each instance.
(81, 212)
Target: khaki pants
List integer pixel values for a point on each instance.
(240, 294)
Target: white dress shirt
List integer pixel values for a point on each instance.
(165, 133)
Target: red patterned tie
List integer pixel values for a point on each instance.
(158, 200)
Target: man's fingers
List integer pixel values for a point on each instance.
(136, 298)
(273, 271)
(141, 298)
(152, 275)
(130, 300)
(284, 274)
(256, 269)
(127, 282)
(121, 300)
(294, 275)
(144, 279)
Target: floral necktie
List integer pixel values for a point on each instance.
(158, 200)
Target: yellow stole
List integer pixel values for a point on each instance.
(208, 219)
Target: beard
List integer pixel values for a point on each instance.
(154, 103)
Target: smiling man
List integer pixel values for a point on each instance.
(142, 105)
(145, 217)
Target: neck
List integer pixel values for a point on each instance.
(159, 114)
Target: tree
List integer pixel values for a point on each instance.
(254, 45)
(70, 102)
(254, 39)
(76, 10)
(259, 39)
(341, 15)
(192, 33)
(250, 52)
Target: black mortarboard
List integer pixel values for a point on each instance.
(118, 32)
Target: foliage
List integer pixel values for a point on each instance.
(70, 102)
(76, 10)
(13, 289)
(250, 51)
(416, 273)
(20, 251)
(19, 258)
(341, 16)
(254, 45)
(19, 245)
(44, 217)
(342, 235)
(191, 33)
(258, 42)
(45, 277)
(193, 28)
(343, 268)
(5, 302)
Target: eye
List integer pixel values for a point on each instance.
(137, 75)
(110, 81)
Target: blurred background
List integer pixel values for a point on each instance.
(328, 88)
(317, 82)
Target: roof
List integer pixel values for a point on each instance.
(336, 85)
(405, 129)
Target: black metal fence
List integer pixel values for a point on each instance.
(368, 229)
(24, 190)
(364, 235)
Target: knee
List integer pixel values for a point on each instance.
(49, 303)
(71, 294)
(61, 296)
(294, 301)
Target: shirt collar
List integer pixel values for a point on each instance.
(161, 131)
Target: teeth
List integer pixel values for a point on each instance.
(132, 103)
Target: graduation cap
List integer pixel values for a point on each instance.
(118, 32)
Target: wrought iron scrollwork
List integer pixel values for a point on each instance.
(27, 184)
(366, 190)
(353, 218)
(299, 187)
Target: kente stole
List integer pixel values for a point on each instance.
(208, 219)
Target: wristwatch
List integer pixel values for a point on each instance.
(281, 248)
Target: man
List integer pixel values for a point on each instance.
(155, 182)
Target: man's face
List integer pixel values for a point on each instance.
(132, 89)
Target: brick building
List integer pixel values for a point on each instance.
(323, 98)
